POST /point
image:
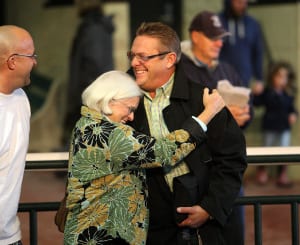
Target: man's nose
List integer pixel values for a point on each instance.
(219, 42)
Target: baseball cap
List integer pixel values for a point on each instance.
(210, 24)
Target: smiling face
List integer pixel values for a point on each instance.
(155, 72)
(123, 109)
(18, 57)
(25, 59)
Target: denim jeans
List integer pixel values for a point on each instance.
(277, 138)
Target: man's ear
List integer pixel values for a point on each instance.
(195, 35)
(171, 59)
(11, 63)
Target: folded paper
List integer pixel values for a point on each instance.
(233, 95)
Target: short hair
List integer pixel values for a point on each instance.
(167, 36)
(108, 86)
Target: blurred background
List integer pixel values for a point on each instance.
(53, 24)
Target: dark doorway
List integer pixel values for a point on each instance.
(166, 11)
(2, 12)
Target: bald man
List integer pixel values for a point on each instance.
(17, 58)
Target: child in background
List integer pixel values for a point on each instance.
(279, 115)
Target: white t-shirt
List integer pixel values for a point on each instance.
(14, 139)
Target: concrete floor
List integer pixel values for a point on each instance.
(44, 186)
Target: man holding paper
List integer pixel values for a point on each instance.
(200, 59)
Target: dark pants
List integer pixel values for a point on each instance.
(234, 229)
(188, 237)
(16, 243)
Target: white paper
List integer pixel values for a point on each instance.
(233, 95)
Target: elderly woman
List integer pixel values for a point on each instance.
(107, 194)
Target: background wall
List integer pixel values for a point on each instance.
(53, 29)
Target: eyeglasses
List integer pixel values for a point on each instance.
(131, 109)
(144, 58)
(32, 56)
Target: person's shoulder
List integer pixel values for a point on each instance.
(188, 63)
(184, 59)
(19, 92)
(16, 94)
(225, 65)
(230, 72)
(16, 101)
(184, 75)
(20, 95)
(251, 19)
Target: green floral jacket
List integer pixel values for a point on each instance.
(107, 192)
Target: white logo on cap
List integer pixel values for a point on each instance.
(216, 21)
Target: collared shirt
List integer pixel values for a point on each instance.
(211, 68)
(154, 108)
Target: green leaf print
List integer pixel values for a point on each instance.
(120, 146)
(90, 165)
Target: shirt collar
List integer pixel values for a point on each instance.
(201, 64)
(165, 90)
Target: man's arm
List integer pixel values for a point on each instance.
(228, 148)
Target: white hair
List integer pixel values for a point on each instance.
(112, 85)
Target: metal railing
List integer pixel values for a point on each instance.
(258, 201)
(255, 156)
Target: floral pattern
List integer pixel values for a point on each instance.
(107, 192)
(93, 236)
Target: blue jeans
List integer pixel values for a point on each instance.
(272, 138)
(277, 138)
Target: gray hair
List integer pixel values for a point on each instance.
(112, 85)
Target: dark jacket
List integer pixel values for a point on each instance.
(277, 110)
(200, 74)
(209, 78)
(244, 48)
(218, 166)
(90, 56)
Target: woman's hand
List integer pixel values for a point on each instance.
(213, 103)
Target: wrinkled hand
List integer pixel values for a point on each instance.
(213, 101)
(197, 216)
(240, 114)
